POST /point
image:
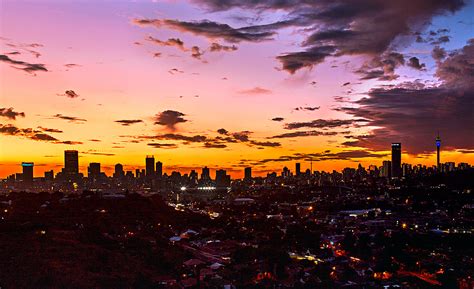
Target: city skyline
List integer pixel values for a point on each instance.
(151, 169)
(234, 85)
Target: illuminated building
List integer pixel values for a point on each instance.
(27, 172)
(396, 160)
(438, 147)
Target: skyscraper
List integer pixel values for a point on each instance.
(248, 173)
(159, 169)
(387, 169)
(396, 160)
(119, 173)
(93, 172)
(438, 147)
(71, 163)
(298, 169)
(49, 175)
(222, 179)
(150, 166)
(205, 174)
(27, 172)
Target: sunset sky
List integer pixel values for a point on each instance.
(235, 83)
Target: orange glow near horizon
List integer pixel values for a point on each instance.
(102, 68)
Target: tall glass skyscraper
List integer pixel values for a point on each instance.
(396, 160)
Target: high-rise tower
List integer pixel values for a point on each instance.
(438, 146)
(71, 162)
(396, 160)
(150, 166)
(27, 172)
(159, 169)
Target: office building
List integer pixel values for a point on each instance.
(222, 179)
(286, 172)
(27, 172)
(205, 174)
(396, 160)
(248, 173)
(298, 169)
(119, 173)
(386, 169)
(71, 163)
(159, 169)
(49, 175)
(93, 172)
(150, 166)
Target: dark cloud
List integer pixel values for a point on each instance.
(382, 67)
(278, 119)
(180, 137)
(307, 108)
(304, 133)
(265, 143)
(176, 42)
(96, 153)
(216, 47)
(438, 53)
(69, 142)
(242, 136)
(72, 65)
(210, 145)
(214, 30)
(321, 156)
(25, 66)
(71, 94)
(441, 40)
(69, 118)
(336, 28)
(255, 91)
(174, 71)
(10, 113)
(43, 137)
(32, 134)
(323, 123)
(414, 62)
(413, 114)
(128, 122)
(220, 141)
(222, 131)
(294, 61)
(170, 118)
(53, 130)
(163, 145)
(458, 69)
(196, 52)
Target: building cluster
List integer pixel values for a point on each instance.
(393, 226)
(153, 178)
